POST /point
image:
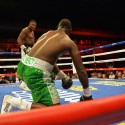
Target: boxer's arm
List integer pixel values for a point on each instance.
(66, 80)
(21, 37)
(77, 60)
(58, 72)
(56, 69)
(82, 74)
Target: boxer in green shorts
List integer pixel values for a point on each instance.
(36, 68)
(37, 74)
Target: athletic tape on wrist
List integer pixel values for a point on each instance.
(61, 74)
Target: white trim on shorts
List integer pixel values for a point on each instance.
(37, 63)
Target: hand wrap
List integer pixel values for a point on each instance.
(25, 49)
(66, 80)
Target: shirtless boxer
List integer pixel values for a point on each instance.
(26, 40)
(37, 67)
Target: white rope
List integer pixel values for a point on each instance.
(12, 66)
(64, 64)
(99, 54)
(90, 62)
(106, 53)
(18, 59)
(103, 61)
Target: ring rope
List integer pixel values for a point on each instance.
(87, 69)
(99, 54)
(90, 62)
(17, 59)
(103, 61)
(12, 53)
(99, 111)
(86, 50)
(104, 46)
(105, 53)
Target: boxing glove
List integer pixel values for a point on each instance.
(67, 82)
(25, 49)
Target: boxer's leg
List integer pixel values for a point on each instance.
(23, 86)
(42, 86)
(24, 51)
(10, 101)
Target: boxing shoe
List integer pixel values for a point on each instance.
(24, 86)
(85, 98)
(7, 104)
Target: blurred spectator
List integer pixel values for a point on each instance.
(93, 75)
(119, 75)
(116, 74)
(104, 76)
(3, 80)
(123, 75)
(99, 75)
(111, 75)
(81, 42)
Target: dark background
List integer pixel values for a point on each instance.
(89, 19)
(106, 15)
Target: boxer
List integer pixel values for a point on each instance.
(26, 40)
(38, 66)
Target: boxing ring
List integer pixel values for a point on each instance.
(108, 106)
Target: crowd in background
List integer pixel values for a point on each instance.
(109, 75)
(100, 74)
(10, 45)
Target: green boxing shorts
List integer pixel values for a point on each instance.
(37, 74)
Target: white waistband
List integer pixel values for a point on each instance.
(37, 63)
